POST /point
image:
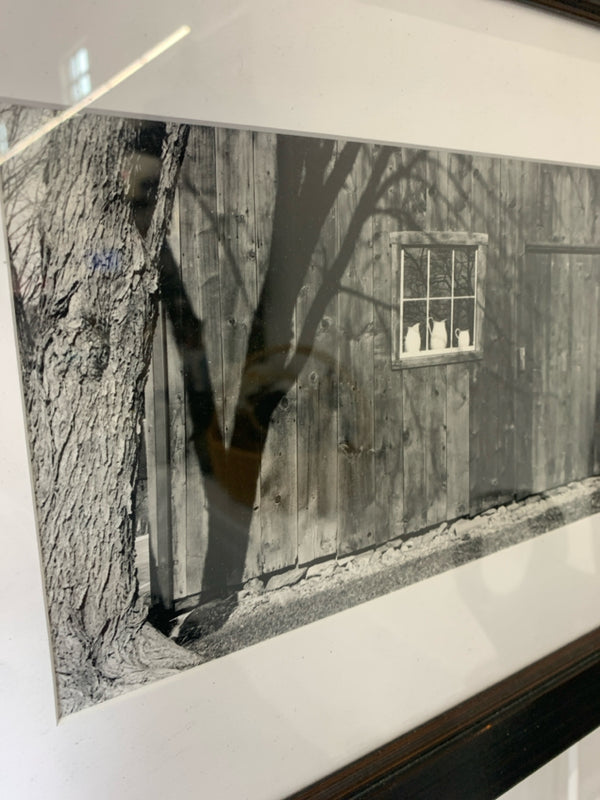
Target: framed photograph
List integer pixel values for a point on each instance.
(311, 418)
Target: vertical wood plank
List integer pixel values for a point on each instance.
(592, 218)
(583, 306)
(177, 434)
(499, 342)
(157, 454)
(237, 258)
(596, 386)
(581, 206)
(589, 367)
(412, 190)
(511, 251)
(591, 204)
(278, 520)
(534, 300)
(438, 200)
(238, 290)
(458, 440)
(435, 455)
(200, 249)
(415, 435)
(557, 369)
(278, 481)
(525, 326)
(556, 359)
(584, 216)
(317, 412)
(563, 292)
(356, 473)
(486, 376)
(460, 187)
(592, 356)
(581, 325)
(542, 266)
(200, 273)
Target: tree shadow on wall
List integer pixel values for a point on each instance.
(310, 174)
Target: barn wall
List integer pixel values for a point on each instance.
(359, 453)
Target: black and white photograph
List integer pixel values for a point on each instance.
(270, 376)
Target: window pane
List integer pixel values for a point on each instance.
(415, 272)
(464, 271)
(439, 324)
(76, 92)
(85, 85)
(82, 59)
(440, 282)
(414, 327)
(463, 328)
(73, 68)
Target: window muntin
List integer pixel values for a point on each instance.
(437, 302)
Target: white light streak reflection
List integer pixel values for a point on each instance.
(96, 94)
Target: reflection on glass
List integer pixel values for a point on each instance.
(58, 119)
(80, 81)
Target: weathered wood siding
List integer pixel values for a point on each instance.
(358, 452)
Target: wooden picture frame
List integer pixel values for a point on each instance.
(486, 745)
(583, 10)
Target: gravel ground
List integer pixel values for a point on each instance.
(290, 599)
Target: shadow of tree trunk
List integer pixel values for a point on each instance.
(310, 175)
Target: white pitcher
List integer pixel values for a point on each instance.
(463, 338)
(412, 340)
(439, 334)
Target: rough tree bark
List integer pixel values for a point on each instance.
(84, 390)
(102, 234)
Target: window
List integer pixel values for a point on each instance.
(79, 79)
(3, 138)
(438, 300)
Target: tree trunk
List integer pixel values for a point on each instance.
(85, 395)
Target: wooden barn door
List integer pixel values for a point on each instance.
(557, 367)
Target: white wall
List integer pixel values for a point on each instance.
(487, 76)
(574, 775)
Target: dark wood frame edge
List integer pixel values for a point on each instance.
(581, 10)
(488, 743)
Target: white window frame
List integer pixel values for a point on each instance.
(429, 240)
